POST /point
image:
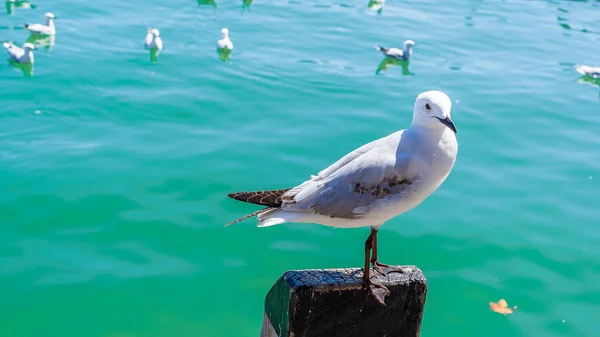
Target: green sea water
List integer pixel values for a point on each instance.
(114, 170)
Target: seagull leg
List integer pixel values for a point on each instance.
(376, 290)
(375, 261)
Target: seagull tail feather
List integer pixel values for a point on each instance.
(380, 48)
(581, 69)
(259, 212)
(26, 25)
(278, 216)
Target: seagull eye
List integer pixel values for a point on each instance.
(428, 107)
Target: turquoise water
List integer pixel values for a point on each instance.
(115, 171)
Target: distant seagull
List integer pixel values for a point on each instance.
(153, 43)
(43, 29)
(225, 42)
(588, 71)
(153, 40)
(376, 5)
(11, 5)
(20, 55)
(372, 184)
(397, 54)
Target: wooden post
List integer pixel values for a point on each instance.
(332, 303)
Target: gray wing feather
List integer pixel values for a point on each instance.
(374, 175)
(39, 28)
(395, 53)
(355, 154)
(15, 53)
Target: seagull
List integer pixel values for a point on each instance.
(588, 71)
(396, 53)
(225, 42)
(372, 184)
(47, 29)
(11, 5)
(20, 55)
(153, 40)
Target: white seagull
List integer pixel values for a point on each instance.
(20, 55)
(153, 40)
(589, 71)
(372, 184)
(225, 42)
(395, 53)
(43, 29)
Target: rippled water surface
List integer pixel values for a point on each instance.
(114, 170)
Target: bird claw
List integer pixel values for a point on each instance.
(378, 291)
(377, 266)
(378, 269)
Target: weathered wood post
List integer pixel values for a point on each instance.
(332, 303)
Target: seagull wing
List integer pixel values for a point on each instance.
(395, 53)
(158, 43)
(363, 179)
(587, 70)
(14, 53)
(148, 41)
(38, 28)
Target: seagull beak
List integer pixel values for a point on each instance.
(449, 123)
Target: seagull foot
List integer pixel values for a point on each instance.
(379, 267)
(378, 291)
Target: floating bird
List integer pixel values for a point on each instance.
(207, 2)
(43, 29)
(11, 5)
(20, 55)
(153, 43)
(225, 42)
(372, 184)
(153, 40)
(588, 71)
(376, 5)
(396, 53)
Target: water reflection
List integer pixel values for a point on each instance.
(27, 68)
(474, 7)
(246, 4)
(592, 81)
(154, 52)
(224, 54)
(376, 6)
(389, 63)
(212, 3)
(44, 41)
(11, 5)
(595, 82)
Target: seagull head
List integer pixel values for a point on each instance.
(49, 16)
(432, 111)
(224, 32)
(28, 46)
(409, 44)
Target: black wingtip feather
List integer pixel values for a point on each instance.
(272, 198)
